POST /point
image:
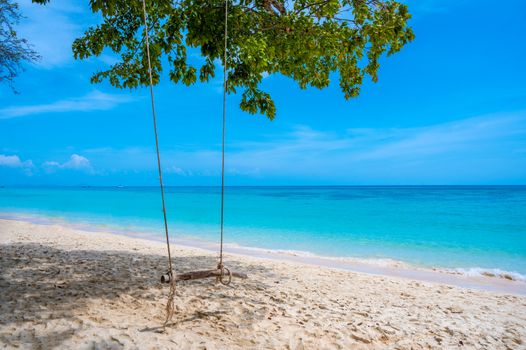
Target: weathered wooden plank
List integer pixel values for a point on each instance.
(194, 275)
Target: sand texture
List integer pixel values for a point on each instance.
(65, 288)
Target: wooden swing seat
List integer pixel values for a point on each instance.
(200, 274)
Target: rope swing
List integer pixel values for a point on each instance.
(170, 307)
(220, 266)
(222, 274)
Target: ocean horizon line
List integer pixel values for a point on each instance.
(266, 186)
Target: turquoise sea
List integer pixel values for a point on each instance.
(471, 228)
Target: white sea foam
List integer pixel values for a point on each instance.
(381, 263)
(492, 273)
(377, 262)
(388, 263)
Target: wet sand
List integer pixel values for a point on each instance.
(67, 288)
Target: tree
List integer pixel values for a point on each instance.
(305, 40)
(13, 50)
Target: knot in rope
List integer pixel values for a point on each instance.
(224, 272)
(170, 304)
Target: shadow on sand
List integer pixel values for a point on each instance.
(39, 284)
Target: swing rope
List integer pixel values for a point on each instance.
(223, 271)
(170, 307)
(220, 266)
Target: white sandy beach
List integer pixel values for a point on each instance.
(67, 288)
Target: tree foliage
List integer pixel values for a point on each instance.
(305, 40)
(13, 49)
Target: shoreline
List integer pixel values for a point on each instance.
(485, 279)
(68, 289)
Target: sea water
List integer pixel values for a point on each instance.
(469, 228)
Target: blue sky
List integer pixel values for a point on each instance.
(450, 108)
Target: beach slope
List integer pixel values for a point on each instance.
(66, 288)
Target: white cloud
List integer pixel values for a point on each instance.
(452, 152)
(455, 136)
(328, 149)
(75, 162)
(14, 162)
(178, 171)
(51, 29)
(94, 101)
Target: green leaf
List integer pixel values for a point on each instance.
(305, 40)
